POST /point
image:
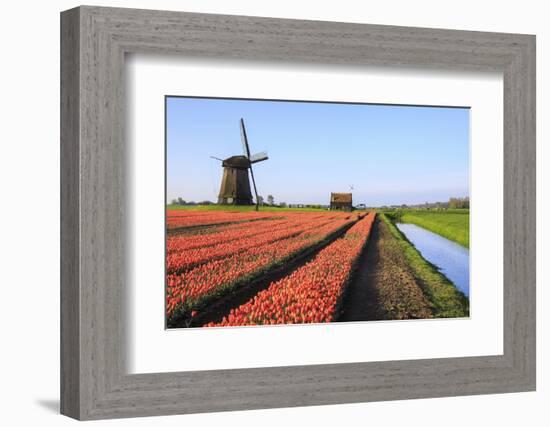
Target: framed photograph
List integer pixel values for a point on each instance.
(260, 213)
(237, 258)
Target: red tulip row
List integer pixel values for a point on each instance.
(214, 235)
(230, 232)
(194, 287)
(310, 294)
(182, 219)
(179, 261)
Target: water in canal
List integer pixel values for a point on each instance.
(450, 257)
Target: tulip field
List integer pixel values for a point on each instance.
(246, 268)
(212, 255)
(186, 219)
(310, 294)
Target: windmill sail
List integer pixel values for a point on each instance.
(244, 140)
(246, 149)
(259, 157)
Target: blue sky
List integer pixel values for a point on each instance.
(390, 154)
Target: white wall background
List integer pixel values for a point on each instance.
(29, 213)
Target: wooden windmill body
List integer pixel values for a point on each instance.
(235, 185)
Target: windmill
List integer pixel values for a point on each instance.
(235, 186)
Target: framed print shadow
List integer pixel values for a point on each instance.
(290, 216)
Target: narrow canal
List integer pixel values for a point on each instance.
(452, 259)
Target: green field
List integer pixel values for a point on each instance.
(241, 208)
(452, 224)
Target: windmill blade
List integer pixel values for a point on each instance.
(259, 157)
(246, 152)
(244, 140)
(255, 189)
(216, 158)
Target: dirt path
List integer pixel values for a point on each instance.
(384, 288)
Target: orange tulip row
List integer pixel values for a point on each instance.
(217, 234)
(179, 261)
(234, 231)
(181, 218)
(311, 293)
(195, 287)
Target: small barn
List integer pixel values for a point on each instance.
(341, 202)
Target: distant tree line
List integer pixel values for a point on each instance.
(459, 203)
(181, 202)
(453, 203)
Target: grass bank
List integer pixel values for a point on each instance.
(453, 224)
(445, 299)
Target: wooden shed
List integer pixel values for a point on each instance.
(341, 201)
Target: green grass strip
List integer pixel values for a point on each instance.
(445, 298)
(452, 225)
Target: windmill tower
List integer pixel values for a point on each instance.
(235, 186)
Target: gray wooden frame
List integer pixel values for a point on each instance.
(94, 41)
